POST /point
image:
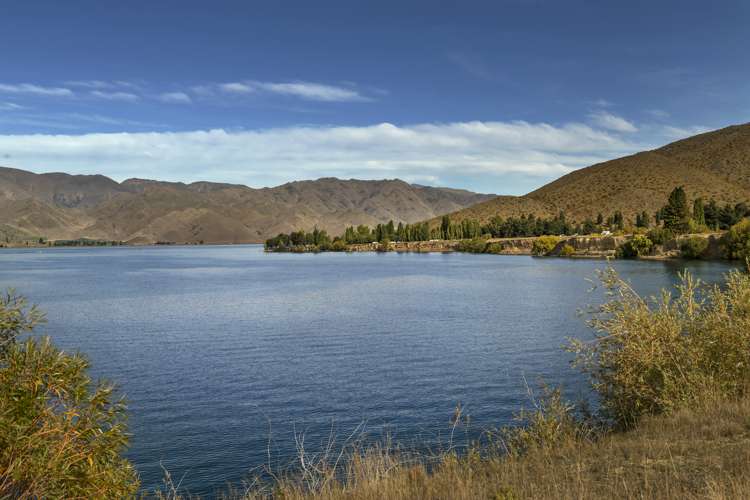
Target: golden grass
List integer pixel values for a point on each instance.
(702, 452)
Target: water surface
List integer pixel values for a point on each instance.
(223, 350)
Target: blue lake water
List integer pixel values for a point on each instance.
(225, 352)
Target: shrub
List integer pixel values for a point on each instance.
(636, 246)
(737, 240)
(60, 435)
(494, 248)
(385, 245)
(338, 246)
(694, 247)
(653, 356)
(475, 245)
(660, 236)
(567, 251)
(551, 423)
(543, 245)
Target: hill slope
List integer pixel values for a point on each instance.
(62, 206)
(711, 165)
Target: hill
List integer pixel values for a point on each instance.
(62, 206)
(711, 165)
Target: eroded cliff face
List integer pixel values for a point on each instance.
(583, 246)
(591, 246)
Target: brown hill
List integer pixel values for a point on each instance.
(62, 206)
(711, 165)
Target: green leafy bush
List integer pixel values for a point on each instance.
(636, 246)
(567, 251)
(660, 236)
(543, 245)
(737, 240)
(694, 247)
(494, 248)
(653, 356)
(475, 245)
(61, 436)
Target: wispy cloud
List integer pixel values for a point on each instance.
(236, 88)
(115, 96)
(314, 91)
(10, 106)
(658, 113)
(73, 121)
(39, 90)
(175, 98)
(612, 122)
(471, 63)
(90, 84)
(602, 103)
(309, 91)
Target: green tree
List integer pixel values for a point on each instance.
(445, 225)
(675, 212)
(699, 215)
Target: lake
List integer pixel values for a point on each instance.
(225, 352)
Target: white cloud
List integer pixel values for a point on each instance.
(236, 88)
(175, 98)
(485, 152)
(677, 133)
(313, 91)
(90, 84)
(10, 106)
(115, 96)
(602, 103)
(612, 122)
(309, 91)
(28, 88)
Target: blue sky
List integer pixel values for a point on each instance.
(499, 96)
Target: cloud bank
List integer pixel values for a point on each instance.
(477, 155)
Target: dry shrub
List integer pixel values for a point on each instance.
(61, 435)
(651, 356)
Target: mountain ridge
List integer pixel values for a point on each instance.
(63, 206)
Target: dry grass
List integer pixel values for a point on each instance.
(672, 376)
(702, 452)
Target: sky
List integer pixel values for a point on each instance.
(496, 97)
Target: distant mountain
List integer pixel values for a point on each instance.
(711, 165)
(62, 206)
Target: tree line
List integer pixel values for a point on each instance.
(675, 217)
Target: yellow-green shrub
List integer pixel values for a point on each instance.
(567, 250)
(652, 356)
(61, 436)
(737, 240)
(543, 245)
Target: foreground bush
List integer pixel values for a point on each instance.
(652, 356)
(60, 435)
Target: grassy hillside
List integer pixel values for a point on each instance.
(711, 165)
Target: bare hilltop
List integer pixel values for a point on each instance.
(58, 206)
